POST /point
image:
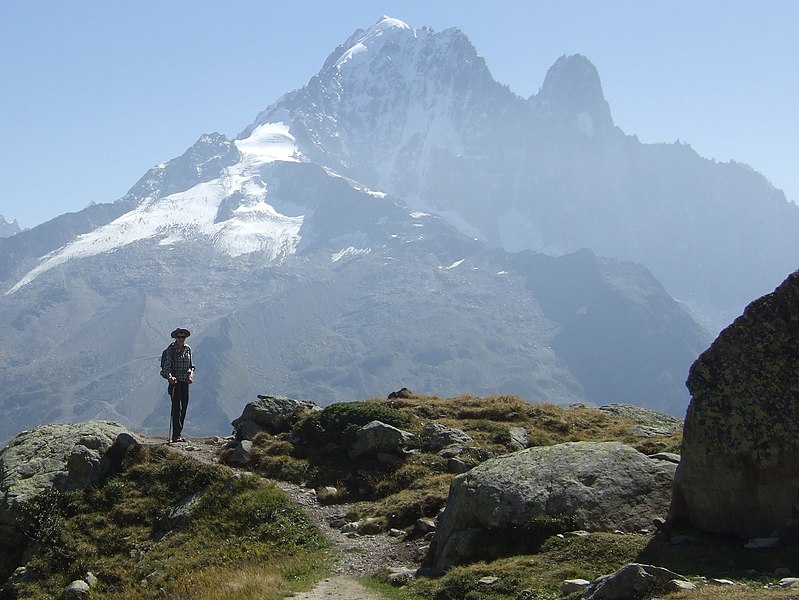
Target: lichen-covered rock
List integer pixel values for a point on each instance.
(436, 436)
(275, 414)
(379, 438)
(63, 456)
(66, 456)
(657, 422)
(739, 468)
(598, 486)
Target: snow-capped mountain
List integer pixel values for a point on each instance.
(328, 252)
(417, 114)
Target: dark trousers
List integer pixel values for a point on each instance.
(180, 402)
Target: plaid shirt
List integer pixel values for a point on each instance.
(182, 360)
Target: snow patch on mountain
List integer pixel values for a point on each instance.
(350, 251)
(254, 225)
(372, 40)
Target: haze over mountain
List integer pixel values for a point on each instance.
(329, 253)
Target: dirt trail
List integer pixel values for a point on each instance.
(341, 587)
(357, 556)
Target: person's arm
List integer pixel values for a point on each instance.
(190, 374)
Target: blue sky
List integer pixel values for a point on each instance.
(94, 93)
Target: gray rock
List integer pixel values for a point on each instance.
(275, 414)
(739, 468)
(646, 417)
(631, 581)
(519, 440)
(436, 436)
(789, 582)
(457, 465)
(600, 486)
(400, 576)
(569, 586)
(669, 456)
(91, 579)
(66, 456)
(426, 524)
(327, 494)
(678, 585)
(240, 454)
(180, 514)
(76, 590)
(378, 437)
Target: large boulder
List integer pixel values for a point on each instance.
(380, 438)
(63, 456)
(436, 436)
(274, 414)
(596, 486)
(739, 472)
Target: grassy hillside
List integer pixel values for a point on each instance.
(239, 537)
(396, 494)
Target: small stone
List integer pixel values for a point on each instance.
(789, 582)
(401, 576)
(721, 582)
(487, 580)
(326, 494)
(577, 533)
(425, 524)
(350, 527)
(570, 586)
(676, 585)
(76, 590)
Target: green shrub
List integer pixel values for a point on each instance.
(338, 423)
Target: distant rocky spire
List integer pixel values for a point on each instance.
(572, 90)
(8, 229)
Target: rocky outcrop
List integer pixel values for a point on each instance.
(377, 438)
(634, 580)
(64, 456)
(275, 414)
(647, 420)
(596, 486)
(436, 436)
(739, 472)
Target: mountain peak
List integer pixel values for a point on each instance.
(385, 31)
(572, 89)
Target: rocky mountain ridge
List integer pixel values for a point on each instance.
(417, 114)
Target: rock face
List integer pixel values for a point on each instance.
(739, 472)
(598, 486)
(64, 456)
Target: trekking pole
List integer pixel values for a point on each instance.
(171, 408)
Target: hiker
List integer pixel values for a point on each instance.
(178, 369)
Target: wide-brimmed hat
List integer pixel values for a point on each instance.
(175, 333)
